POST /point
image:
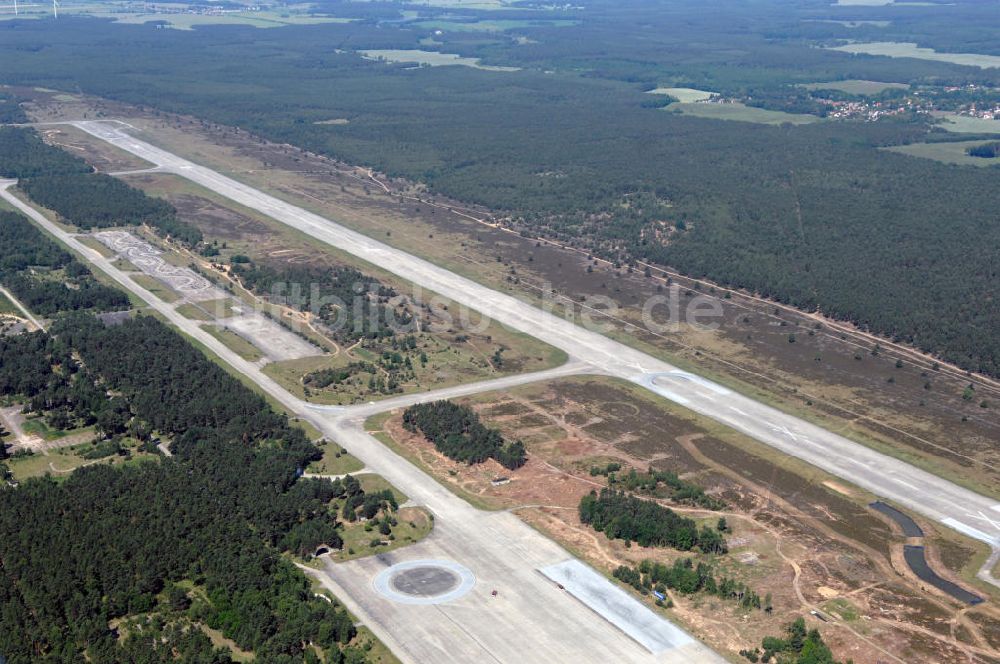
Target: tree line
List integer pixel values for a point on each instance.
(23, 154)
(626, 517)
(10, 109)
(687, 578)
(110, 544)
(985, 151)
(45, 277)
(798, 646)
(69, 186)
(96, 200)
(458, 433)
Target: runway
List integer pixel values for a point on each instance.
(536, 621)
(936, 498)
(534, 624)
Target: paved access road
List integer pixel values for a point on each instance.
(936, 498)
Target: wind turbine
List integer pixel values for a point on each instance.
(55, 8)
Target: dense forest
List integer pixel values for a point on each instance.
(49, 381)
(23, 154)
(95, 200)
(124, 563)
(985, 151)
(45, 277)
(458, 433)
(623, 516)
(569, 147)
(10, 109)
(350, 304)
(66, 184)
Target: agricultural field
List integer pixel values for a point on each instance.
(738, 112)
(911, 50)
(964, 124)
(683, 95)
(180, 15)
(259, 19)
(806, 538)
(857, 87)
(430, 59)
(947, 153)
(482, 5)
(491, 25)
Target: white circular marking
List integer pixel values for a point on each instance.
(385, 582)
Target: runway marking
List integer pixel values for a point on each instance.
(670, 395)
(905, 483)
(979, 516)
(684, 375)
(784, 430)
(970, 531)
(383, 582)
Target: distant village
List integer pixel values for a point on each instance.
(922, 101)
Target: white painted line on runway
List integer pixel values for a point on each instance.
(970, 531)
(694, 378)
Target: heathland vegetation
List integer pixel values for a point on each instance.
(662, 484)
(570, 147)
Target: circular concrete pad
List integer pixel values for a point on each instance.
(424, 582)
